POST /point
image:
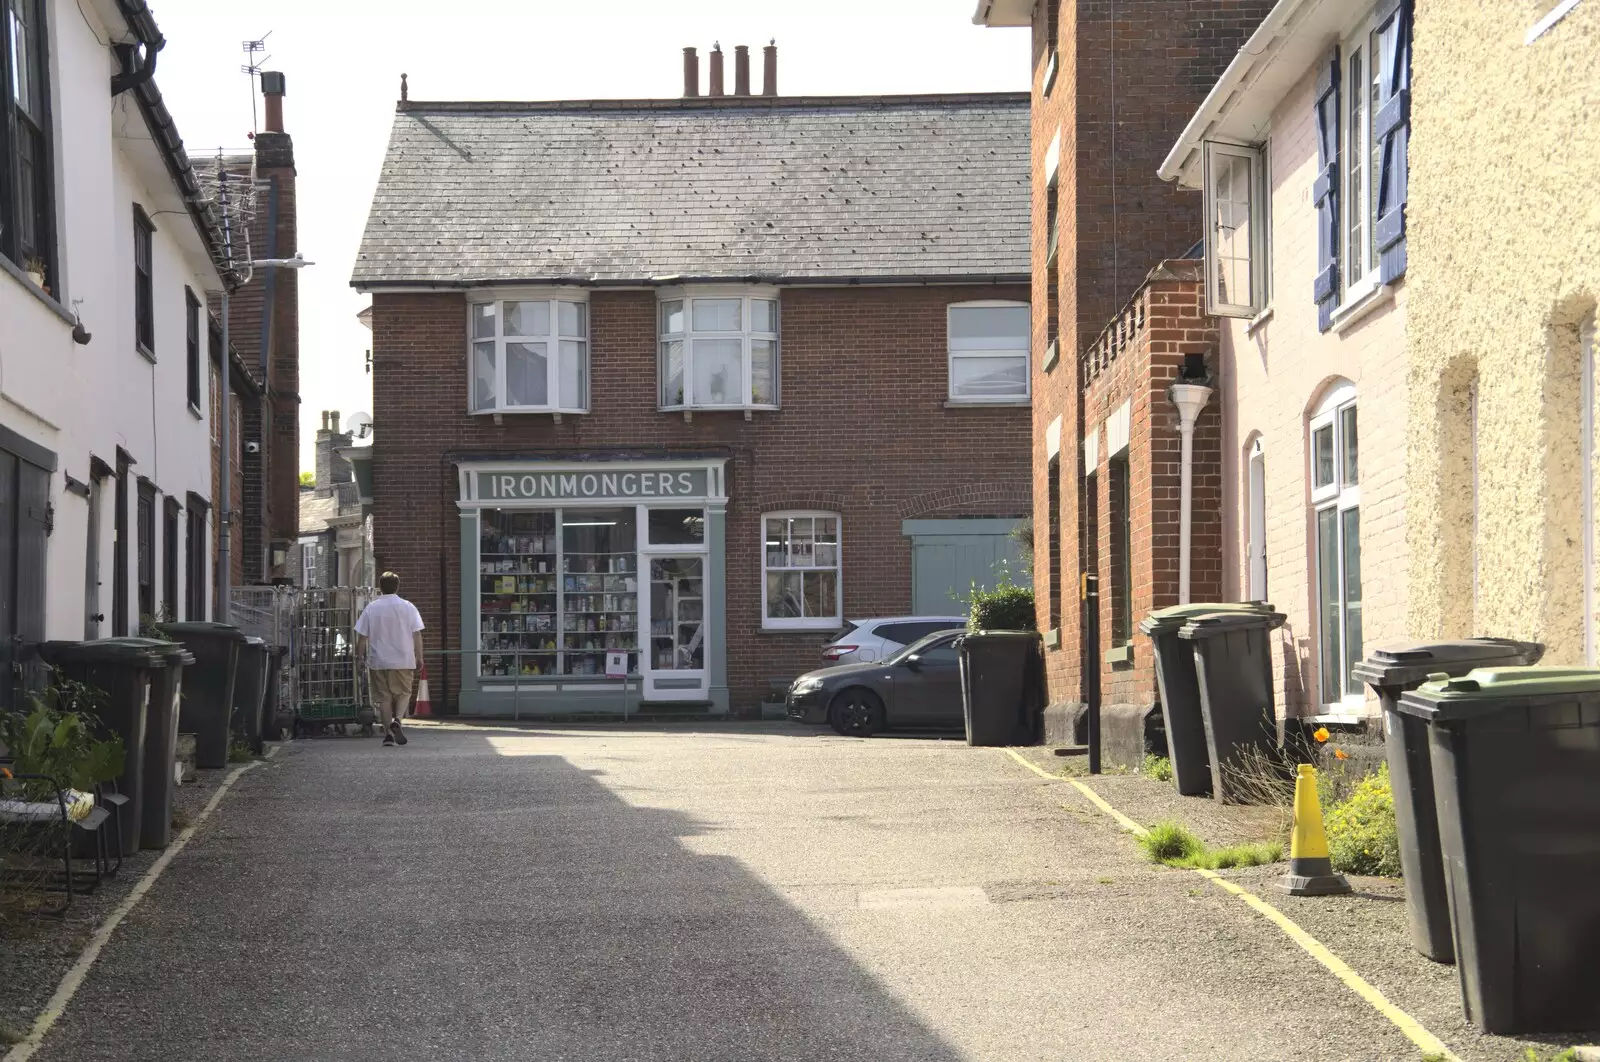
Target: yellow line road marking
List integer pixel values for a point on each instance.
(25, 1048)
(1428, 1043)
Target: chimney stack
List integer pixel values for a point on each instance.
(272, 88)
(716, 70)
(691, 72)
(769, 69)
(741, 70)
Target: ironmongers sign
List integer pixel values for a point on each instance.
(570, 485)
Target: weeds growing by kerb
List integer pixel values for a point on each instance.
(1173, 844)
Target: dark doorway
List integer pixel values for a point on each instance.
(147, 550)
(169, 561)
(24, 528)
(119, 550)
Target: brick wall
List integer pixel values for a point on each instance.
(1131, 73)
(1135, 360)
(863, 431)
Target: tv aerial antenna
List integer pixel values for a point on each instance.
(253, 68)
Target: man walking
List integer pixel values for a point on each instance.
(389, 645)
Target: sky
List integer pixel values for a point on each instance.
(342, 61)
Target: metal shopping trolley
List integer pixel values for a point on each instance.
(331, 686)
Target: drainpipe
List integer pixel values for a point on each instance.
(1190, 398)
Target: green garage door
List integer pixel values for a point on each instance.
(948, 556)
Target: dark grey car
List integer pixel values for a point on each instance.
(919, 686)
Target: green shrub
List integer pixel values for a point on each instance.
(1008, 607)
(1170, 843)
(53, 738)
(1362, 835)
(1157, 767)
(1244, 855)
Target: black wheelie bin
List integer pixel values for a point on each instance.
(161, 745)
(208, 687)
(1002, 686)
(1233, 668)
(249, 691)
(122, 669)
(1390, 672)
(1179, 687)
(1516, 774)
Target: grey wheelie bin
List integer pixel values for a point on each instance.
(121, 668)
(1233, 666)
(249, 690)
(208, 687)
(273, 719)
(1002, 686)
(1180, 690)
(1516, 773)
(1390, 672)
(161, 745)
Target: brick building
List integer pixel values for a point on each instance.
(1113, 84)
(693, 380)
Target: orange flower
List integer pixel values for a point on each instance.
(5, 772)
(1321, 734)
(1340, 754)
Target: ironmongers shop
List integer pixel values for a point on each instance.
(592, 585)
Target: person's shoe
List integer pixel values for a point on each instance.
(395, 731)
(388, 739)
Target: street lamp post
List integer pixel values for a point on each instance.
(225, 499)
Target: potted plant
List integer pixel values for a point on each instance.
(55, 741)
(34, 266)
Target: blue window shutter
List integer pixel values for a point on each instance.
(1325, 191)
(1392, 126)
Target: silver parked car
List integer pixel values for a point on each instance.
(868, 641)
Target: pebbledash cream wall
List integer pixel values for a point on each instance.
(1504, 259)
(1275, 373)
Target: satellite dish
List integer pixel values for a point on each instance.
(360, 425)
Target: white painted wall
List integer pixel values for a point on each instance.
(88, 400)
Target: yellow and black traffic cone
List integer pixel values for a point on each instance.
(1310, 870)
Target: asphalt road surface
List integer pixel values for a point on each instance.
(736, 893)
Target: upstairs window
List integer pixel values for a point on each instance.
(530, 356)
(719, 351)
(144, 312)
(191, 309)
(27, 234)
(989, 352)
(1236, 230)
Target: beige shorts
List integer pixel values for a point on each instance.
(390, 686)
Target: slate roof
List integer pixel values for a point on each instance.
(787, 189)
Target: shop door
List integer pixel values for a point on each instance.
(948, 556)
(24, 525)
(675, 667)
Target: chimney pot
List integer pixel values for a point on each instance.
(273, 89)
(691, 72)
(769, 69)
(333, 421)
(716, 70)
(741, 70)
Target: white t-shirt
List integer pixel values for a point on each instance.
(389, 622)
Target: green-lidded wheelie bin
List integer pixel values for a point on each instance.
(207, 704)
(249, 690)
(1390, 672)
(1516, 774)
(121, 668)
(1002, 686)
(1180, 690)
(1233, 669)
(161, 744)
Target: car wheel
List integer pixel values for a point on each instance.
(856, 713)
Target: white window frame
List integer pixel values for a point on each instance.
(1340, 498)
(308, 562)
(805, 623)
(1355, 160)
(746, 334)
(1260, 191)
(552, 340)
(1022, 352)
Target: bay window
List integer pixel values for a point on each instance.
(529, 356)
(1236, 227)
(989, 343)
(800, 568)
(27, 234)
(1336, 513)
(719, 350)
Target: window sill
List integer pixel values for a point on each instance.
(145, 352)
(1122, 654)
(194, 411)
(1256, 323)
(524, 411)
(826, 629)
(1363, 306)
(987, 403)
(1052, 638)
(21, 277)
(1051, 69)
(1052, 354)
(717, 409)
